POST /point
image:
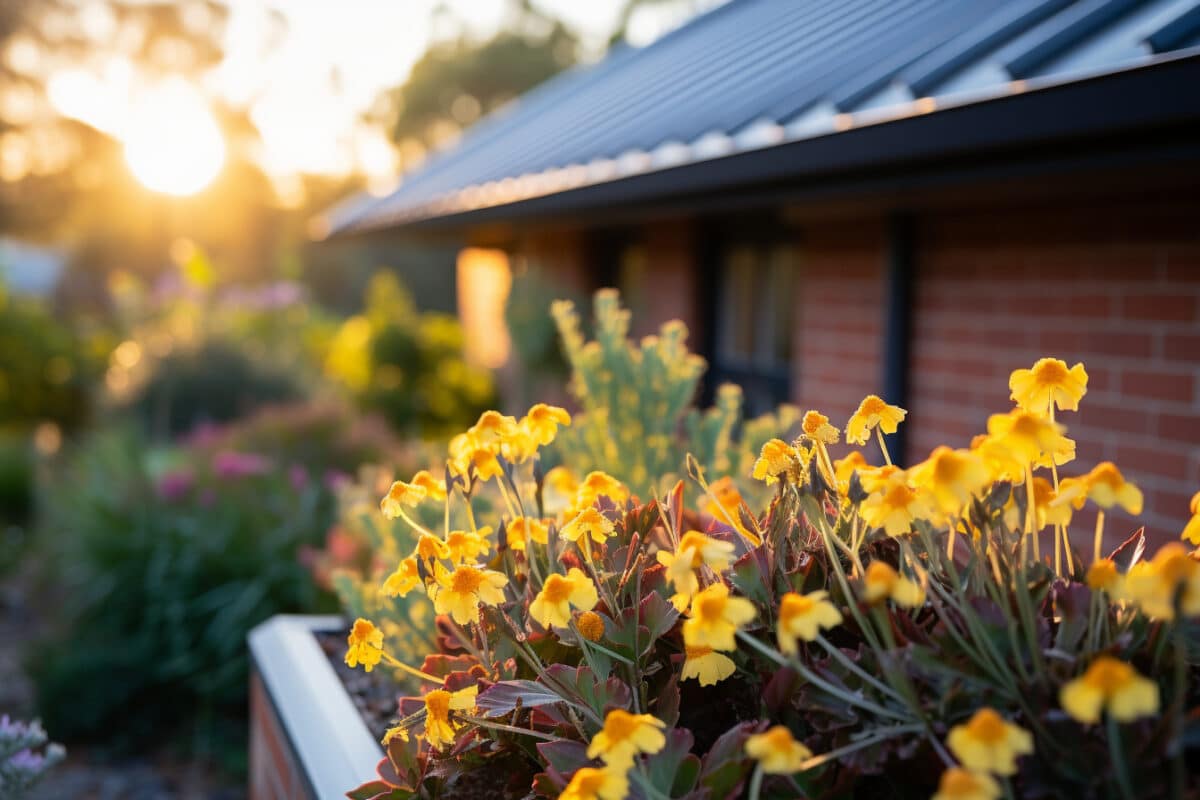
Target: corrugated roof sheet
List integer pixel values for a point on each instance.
(757, 73)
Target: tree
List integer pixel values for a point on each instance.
(459, 79)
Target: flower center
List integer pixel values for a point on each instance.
(1109, 675)
(1050, 372)
(711, 608)
(987, 726)
(697, 652)
(620, 725)
(557, 589)
(466, 580)
(871, 406)
(437, 704)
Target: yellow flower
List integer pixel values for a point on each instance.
(590, 625)
(963, 784)
(1102, 575)
(520, 447)
(776, 458)
(843, 468)
(1109, 685)
(1154, 585)
(1048, 382)
(1107, 487)
(802, 616)
(873, 412)
(468, 545)
(1191, 531)
(591, 783)
(431, 548)
(715, 618)
(725, 505)
(952, 477)
(989, 743)
(483, 460)
(816, 426)
(523, 528)
(434, 489)
(439, 728)
(460, 592)
(882, 582)
(695, 550)
(552, 606)
(401, 494)
(406, 578)
(777, 752)
(366, 645)
(492, 428)
(894, 505)
(624, 736)
(706, 665)
(1030, 439)
(588, 524)
(1046, 509)
(599, 484)
(1000, 461)
(542, 421)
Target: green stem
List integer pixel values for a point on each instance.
(1118, 758)
(818, 681)
(880, 735)
(841, 658)
(756, 782)
(500, 726)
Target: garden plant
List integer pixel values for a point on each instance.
(863, 629)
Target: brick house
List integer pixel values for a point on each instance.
(910, 198)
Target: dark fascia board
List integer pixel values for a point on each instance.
(1134, 102)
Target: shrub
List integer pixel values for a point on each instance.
(406, 365)
(162, 561)
(212, 384)
(44, 369)
(869, 630)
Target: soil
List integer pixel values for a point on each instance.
(374, 693)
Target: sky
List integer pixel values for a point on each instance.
(309, 81)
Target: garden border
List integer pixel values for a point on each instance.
(331, 749)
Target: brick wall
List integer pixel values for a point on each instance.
(839, 317)
(1116, 286)
(274, 773)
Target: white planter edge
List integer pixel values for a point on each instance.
(335, 749)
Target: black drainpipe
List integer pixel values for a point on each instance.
(897, 331)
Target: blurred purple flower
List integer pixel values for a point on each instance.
(205, 434)
(231, 465)
(298, 476)
(174, 486)
(335, 479)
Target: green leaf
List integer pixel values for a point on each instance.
(666, 767)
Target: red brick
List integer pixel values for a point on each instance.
(1175, 307)
(1148, 460)
(1095, 414)
(1176, 387)
(1179, 428)
(1182, 346)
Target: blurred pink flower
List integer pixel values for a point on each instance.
(231, 465)
(174, 486)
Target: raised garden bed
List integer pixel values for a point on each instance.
(308, 737)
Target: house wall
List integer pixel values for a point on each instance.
(1116, 286)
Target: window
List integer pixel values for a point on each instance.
(754, 327)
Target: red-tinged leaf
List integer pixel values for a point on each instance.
(751, 576)
(667, 706)
(675, 507)
(778, 692)
(658, 616)
(440, 665)
(725, 766)
(506, 696)
(1130, 551)
(600, 696)
(565, 755)
(370, 790)
(548, 785)
(674, 764)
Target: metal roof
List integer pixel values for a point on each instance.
(755, 74)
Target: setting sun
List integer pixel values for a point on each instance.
(172, 142)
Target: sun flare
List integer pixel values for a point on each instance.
(172, 143)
